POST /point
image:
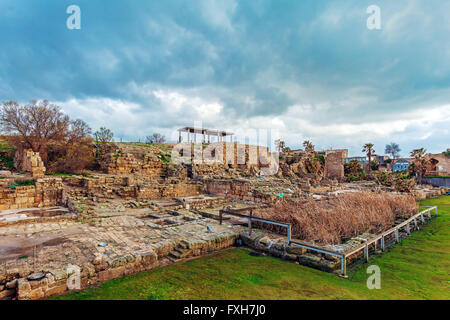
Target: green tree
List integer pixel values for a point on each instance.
(103, 135)
(420, 162)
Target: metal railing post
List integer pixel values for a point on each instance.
(343, 266)
(289, 234)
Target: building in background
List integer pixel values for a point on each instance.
(439, 164)
(401, 165)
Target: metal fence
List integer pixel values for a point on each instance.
(342, 255)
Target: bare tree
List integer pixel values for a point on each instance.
(156, 138)
(79, 129)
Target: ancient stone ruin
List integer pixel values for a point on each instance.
(334, 165)
(145, 209)
(26, 160)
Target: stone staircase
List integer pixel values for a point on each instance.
(180, 252)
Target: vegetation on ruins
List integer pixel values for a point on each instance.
(402, 182)
(156, 138)
(419, 165)
(368, 149)
(75, 153)
(340, 218)
(6, 155)
(309, 147)
(374, 165)
(353, 171)
(313, 162)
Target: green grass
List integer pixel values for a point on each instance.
(417, 268)
(59, 174)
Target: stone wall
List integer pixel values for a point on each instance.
(25, 160)
(47, 192)
(237, 189)
(334, 165)
(439, 165)
(131, 187)
(126, 163)
(14, 284)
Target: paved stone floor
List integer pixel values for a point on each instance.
(47, 246)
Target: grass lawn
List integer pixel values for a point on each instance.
(417, 268)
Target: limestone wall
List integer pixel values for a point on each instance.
(25, 160)
(237, 189)
(126, 163)
(334, 165)
(131, 187)
(15, 283)
(47, 192)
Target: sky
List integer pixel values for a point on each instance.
(305, 70)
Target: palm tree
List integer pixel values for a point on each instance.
(420, 162)
(368, 149)
(309, 147)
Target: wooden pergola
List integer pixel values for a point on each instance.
(205, 132)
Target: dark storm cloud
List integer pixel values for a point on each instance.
(311, 60)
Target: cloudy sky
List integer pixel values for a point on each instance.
(306, 69)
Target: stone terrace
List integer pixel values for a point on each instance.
(137, 240)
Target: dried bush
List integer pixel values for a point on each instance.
(332, 221)
(400, 181)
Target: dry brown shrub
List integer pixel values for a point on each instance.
(343, 217)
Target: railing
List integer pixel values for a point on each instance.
(236, 212)
(342, 255)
